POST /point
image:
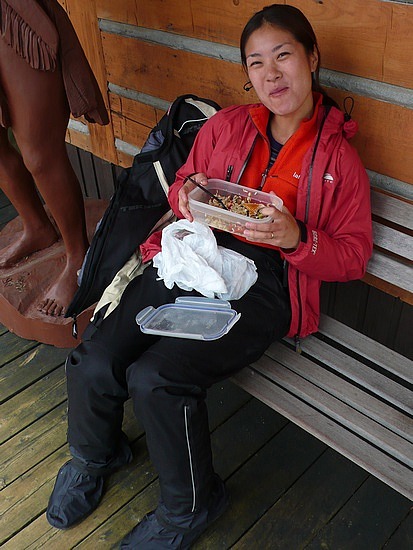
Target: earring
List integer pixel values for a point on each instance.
(248, 86)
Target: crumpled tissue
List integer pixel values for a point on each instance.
(192, 259)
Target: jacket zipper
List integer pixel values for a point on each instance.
(247, 159)
(310, 172)
(307, 211)
(264, 177)
(297, 342)
(229, 172)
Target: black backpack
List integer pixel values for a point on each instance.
(140, 198)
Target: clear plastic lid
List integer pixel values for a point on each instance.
(193, 317)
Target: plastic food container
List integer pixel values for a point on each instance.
(224, 219)
(192, 317)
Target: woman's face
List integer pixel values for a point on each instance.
(280, 71)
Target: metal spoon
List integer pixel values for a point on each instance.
(207, 191)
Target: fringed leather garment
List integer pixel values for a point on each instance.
(41, 33)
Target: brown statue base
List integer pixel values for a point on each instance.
(23, 286)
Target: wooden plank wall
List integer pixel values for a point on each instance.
(146, 52)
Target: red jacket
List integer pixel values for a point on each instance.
(333, 200)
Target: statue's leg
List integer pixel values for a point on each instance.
(39, 113)
(17, 183)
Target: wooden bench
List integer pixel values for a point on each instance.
(352, 393)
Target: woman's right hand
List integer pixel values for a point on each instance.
(184, 191)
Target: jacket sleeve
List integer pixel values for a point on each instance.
(338, 247)
(198, 159)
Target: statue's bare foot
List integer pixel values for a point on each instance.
(59, 296)
(27, 244)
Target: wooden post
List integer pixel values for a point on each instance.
(84, 19)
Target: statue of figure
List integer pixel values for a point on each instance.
(44, 75)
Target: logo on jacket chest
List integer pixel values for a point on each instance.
(328, 178)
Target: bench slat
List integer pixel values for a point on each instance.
(366, 377)
(348, 444)
(391, 271)
(378, 411)
(392, 240)
(391, 208)
(336, 409)
(364, 346)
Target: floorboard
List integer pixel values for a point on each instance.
(367, 520)
(311, 503)
(287, 489)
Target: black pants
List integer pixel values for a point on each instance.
(167, 378)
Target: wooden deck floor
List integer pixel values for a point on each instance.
(288, 490)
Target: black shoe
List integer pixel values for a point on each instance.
(74, 496)
(156, 531)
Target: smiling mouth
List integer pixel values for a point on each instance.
(279, 91)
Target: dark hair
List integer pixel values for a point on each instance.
(289, 19)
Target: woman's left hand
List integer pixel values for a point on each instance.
(283, 231)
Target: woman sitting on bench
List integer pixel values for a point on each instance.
(294, 143)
